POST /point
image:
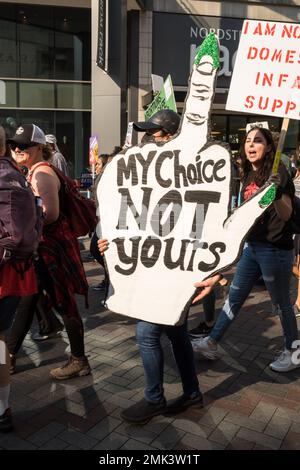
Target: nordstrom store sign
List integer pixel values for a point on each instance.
(176, 38)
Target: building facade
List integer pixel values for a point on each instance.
(82, 67)
(45, 72)
(161, 37)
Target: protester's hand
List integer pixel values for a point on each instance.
(275, 179)
(102, 245)
(205, 287)
(165, 208)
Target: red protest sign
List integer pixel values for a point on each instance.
(266, 77)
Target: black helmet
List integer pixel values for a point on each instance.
(165, 119)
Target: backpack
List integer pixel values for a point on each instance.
(79, 211)
(294, 221)
(21, 215)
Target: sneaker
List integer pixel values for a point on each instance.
(40, 337)
(200, 331)
(6, 424)
(75, 367)
(101, 286)
(284, 362)
(182, 403)
(296, 310)
(206, 347)
(143, 410)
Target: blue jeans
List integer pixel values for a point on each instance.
(148, 338)
(275, 265)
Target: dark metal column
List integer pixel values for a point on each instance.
(133, 67)
(123, 71)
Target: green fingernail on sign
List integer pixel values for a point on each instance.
(209, 47)
(268, 198)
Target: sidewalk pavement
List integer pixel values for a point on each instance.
(247, 406)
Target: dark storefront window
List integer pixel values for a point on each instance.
(73, 96)
(72, 130)
(232, 129)
(39, 47)
(46, 94)
(72, 59)
(8, 53)
(36, 95)
(36, 42)
(45, 42)
(218, 127)
(236, 131)
(274, 123)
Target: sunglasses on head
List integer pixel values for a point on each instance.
(22, 147)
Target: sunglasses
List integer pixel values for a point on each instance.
(152, 131)
(22, 147)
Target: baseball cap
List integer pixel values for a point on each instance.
(165, 119)
(27, 134)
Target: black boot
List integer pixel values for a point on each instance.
(143, 410)
(182, 403)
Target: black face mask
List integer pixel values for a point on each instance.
(147, 138)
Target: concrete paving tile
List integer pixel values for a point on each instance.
(78, 439)
(113, 441)
(103, 428)
(191, 427)
(120, 381)
(291, 441)
(120, 401)
(245, 421)
(145, 433)
(192, 442)
(46, 433)
(263, 412)
(54, 444)
(12, 442)
(240, 444)
(278, 427)
(259, 438)
(224, 433)
(168, 438)
(131, 444)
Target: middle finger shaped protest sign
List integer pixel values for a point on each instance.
(165, 210)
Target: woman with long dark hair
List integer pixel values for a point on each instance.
(268, 249)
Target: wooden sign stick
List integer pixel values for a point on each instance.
(284, 128)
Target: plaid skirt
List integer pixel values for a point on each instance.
(60, 253)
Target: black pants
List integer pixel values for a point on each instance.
(8, 306)
(25, 312)
(47, 320)
(94, 250)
